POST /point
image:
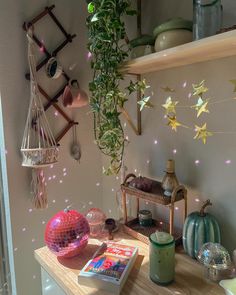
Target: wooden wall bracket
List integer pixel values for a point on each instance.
(52, 101)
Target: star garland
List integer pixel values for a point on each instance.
(202, 133)
(201, 107)
(170, 105)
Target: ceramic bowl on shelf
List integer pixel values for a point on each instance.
(141, 51)
(172, 38)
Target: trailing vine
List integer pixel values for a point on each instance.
(108, 50)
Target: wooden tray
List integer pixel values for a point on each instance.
(142, 233)
(156, 195)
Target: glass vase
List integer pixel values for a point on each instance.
(207, 18)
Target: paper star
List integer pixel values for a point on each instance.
(202, 133)
(167, 89)
(201, 106)
(233, 82)
(173, 123)
(170, 105)
(145, 103)
(199, 89)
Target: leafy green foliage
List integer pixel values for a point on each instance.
(106, 44)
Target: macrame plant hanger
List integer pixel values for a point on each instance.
(39, 147)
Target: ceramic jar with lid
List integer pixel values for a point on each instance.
(162, 258)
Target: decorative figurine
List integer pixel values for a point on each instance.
(200, 228)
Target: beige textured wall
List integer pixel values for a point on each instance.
(212, 178)
(80, 187)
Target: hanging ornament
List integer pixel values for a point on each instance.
(202, 133)
(199, 89)
(201, 106)
(173, 123)
(167, 89)
(170, 105)
(39, 148)
(145, 103)
(75, 149)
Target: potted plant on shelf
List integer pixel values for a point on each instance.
(108, 50)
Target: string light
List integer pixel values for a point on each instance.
(174, 151)
(227, 162)
(56, 113)
(155, 141)
(23, 229)
(197, 200)
(197, 162)
(184, 84)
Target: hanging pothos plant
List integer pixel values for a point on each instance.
(108, 50)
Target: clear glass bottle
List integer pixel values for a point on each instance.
(207, 18)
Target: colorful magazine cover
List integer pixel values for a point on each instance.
(108, 265)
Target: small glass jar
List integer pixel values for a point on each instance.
(207, 18)
(162, 258)
(145, 217)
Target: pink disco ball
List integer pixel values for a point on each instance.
(96, 219)
(67, 233)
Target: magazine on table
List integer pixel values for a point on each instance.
(109, 267)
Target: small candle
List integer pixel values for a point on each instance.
(145, 217)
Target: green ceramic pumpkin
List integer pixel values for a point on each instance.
(200, 228)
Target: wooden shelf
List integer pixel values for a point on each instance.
(156, 195)
(215, 47)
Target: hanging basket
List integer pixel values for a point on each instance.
(39, 148)
(39, 157)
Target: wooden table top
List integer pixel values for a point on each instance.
(188, 278)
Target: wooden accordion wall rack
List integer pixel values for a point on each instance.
(52, 101)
